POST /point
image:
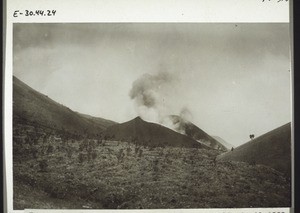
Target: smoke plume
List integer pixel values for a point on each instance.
(151, 94)
(186, 114)
(147, 90)
(156, 97)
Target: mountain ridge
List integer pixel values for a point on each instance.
(223, 142)
(32, 106)
(152, 134)
(191, 130)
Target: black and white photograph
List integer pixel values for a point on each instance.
(151, 115)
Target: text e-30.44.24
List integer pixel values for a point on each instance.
(18, 13)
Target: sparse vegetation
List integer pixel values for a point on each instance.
(43, 165)
(114, 174)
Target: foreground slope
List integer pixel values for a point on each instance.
(272, 149)
(191, 130)
(146, 133)
(30, 106)
(127, 176)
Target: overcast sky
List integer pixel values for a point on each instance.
(234, 79)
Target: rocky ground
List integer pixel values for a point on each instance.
(52, 171)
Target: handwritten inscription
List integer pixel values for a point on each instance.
(18, 13)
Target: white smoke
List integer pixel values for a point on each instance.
(186, 114)
(150, 93)
(154, 96)
(173, 124)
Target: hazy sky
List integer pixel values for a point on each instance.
(234, 79)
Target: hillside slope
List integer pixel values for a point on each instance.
(142, 132)
(272, 149)
(223, 142)
(191, 130)
(118, 177)
(104, 123)
(30, 106)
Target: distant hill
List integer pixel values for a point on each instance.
(272, 149)
(223, 142)
(104, 123)
(146, 133)
(30, 106)
(191, 130)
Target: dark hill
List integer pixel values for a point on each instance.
(101, 122)
(30, 106)
(191, 130)
(272, 149)
(146, 133)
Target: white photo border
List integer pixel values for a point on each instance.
(133, 11)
